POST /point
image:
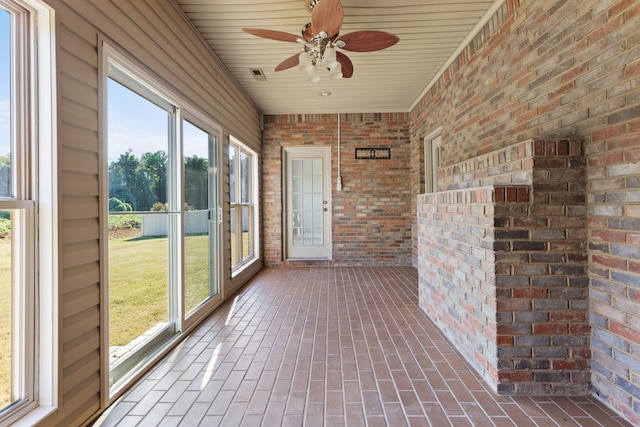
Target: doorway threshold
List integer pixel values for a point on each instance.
(307, 262)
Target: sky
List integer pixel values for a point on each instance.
(137, 124)
(134, 123)
(4, 83)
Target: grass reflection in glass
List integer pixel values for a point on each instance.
(138, 287)
(5, 322)
(196, 270)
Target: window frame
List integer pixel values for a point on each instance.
(237, 206)
(432, 162)
(34, 192)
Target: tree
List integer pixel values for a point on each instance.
(117, 205)
(5, 176)
(154, 167)
(129, 184)
(196, 182)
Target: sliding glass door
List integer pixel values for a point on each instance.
(163, 215)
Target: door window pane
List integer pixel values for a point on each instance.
(138, 247)
(307, 201)
(197, 220)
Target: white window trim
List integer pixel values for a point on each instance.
(430, 171)
(255, 242)
(44, 176)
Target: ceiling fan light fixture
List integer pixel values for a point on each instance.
(321, 37)
(336, 72)
(313, 76)
(304, 59)
(329, 57)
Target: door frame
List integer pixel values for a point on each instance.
(316, 151)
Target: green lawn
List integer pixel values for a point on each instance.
(137, 291)
(5, 323)
(138, 270)
(137, 287)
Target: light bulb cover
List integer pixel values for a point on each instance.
(313, 76)
(304, 61)
(329, 58)
(336, 72)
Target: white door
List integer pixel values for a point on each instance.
(308, 202)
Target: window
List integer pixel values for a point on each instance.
(163, 216)
(243, 185)
(432, 160)
(26, 109)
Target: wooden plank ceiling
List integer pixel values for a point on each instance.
(390, 80)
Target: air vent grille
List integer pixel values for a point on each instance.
(258, 74)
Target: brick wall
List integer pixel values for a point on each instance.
(503, 265)
(456, 268)
(372, 214)
(554, 69)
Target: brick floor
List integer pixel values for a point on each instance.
(330, 347)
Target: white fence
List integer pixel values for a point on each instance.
(195, 222)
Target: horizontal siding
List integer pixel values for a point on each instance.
(79, 277)
(77, 373)
(157, 36)
(79, 403)
(79, 212)
(76, 114)
(81, 184)
(79, 161)
(80, 207)
(81, 346)
(78, 325)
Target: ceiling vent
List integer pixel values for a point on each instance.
(258, 74)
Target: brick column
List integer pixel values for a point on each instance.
(502, 264)
(541, 278)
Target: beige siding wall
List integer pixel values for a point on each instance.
(156, 35)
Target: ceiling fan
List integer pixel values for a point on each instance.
(321, 37)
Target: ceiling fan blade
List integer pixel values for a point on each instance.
(346, 64)
(289, 62)
(327, 16)
(272, 35)
(368, 41)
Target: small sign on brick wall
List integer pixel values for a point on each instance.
(373, 153)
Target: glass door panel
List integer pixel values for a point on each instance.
(140, 219)
(200, 209)
(308, 200)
